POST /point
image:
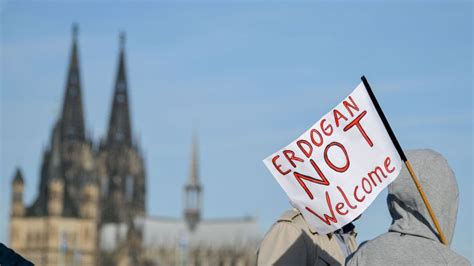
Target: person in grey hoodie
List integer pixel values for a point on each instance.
(412, 238)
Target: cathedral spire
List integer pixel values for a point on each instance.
(194, 168)
(119, 131)
(72, 118)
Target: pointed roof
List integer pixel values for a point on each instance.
(119, 131)
(72, 117)
(18, 179)
(194, 168)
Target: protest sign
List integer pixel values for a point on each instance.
(335, 170)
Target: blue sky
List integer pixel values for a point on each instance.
(251, 77)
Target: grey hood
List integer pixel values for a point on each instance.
(412, 238)
(409, 213)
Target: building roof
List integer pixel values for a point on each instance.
(18, 177)
(167, 232)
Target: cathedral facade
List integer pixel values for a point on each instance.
(91, 210)
(81, 186)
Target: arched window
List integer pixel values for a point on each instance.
(70, 131)
(72, 91)
(120, 98)
(119, 136)
(129, 187)
(120, 86)
(73, 78)
(104, 187)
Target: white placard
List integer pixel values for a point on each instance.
(334, 171)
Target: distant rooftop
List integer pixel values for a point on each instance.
(167, 232)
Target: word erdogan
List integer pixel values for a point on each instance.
(348, 119)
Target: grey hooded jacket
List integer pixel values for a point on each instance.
(412, 238)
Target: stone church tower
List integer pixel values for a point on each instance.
(120, 164)
(70, 157)
(60, 226)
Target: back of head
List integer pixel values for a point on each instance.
(412, 238)
(409, 213)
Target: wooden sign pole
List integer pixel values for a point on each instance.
(405, 160)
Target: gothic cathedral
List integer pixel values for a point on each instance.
(90, 208)
(82, 186)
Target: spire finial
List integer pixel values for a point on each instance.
(122, 40)
(194, 171)
(75, 30)
(18, 178)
